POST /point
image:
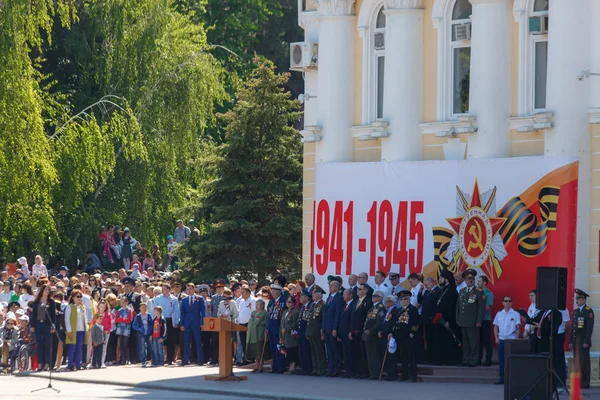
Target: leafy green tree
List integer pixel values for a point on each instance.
(253, 208)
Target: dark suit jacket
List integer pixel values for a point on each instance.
(428, 300)
(332, 312)
(359, 315)
(194, 316)
(346, 319)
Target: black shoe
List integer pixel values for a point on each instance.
(472, 365)
(403, 379)
(499, 383)
(213, 363)
(487, 363)
(390, 379)
(464, 364)
(184, 364)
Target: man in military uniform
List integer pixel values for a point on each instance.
(404, 331)
(390, 366)
(303, 345)
(273, 324)
(381, 285)
(470, 308)
(359, 315)
(314, 333)
(219, 286)
(373, 322)
(581, 336)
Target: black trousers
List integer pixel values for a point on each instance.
(485, 341)
(206, 346)
(430, 344)
(406, 351)
(214, 344)
(584, 365)
(171, 340)
(243, 340)
(359, 351)
(390, 366)
(560, 363)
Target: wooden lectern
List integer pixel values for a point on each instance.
(225, 328)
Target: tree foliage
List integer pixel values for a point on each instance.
(253, 208)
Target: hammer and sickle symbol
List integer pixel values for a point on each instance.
(475, 232)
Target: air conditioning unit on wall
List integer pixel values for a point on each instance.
(462, 32)
(303, 56)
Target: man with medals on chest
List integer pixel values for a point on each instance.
(275, 311)
(404, 330)
(390, 366)
(373, 322)
(581, 336)
(303, 345)
(314, 332)
(470, 309)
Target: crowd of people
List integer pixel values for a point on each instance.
(81, 320)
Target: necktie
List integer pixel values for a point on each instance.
(345, 309)
(539, 331)
(393, 290)
(191, 301)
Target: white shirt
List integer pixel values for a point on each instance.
(24, 299)
(461, 286)
(245, 309)
(384, 287)
(532, 312)
(5, 297)
(87, 303)
(507, 324)
(565, 318)
(81, 320)
(414, 292)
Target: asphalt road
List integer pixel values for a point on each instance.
(13, 388)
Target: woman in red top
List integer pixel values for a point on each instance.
(106, 326)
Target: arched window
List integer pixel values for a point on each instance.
(371, 26)
(379, 60)
(538, 35)
(461, 55)
(452, 19)
(532, 16)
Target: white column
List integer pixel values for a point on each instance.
(490, 84)
(336, 80)
(568, 98)
(403, 93)
(595, 56)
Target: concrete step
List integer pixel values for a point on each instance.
(458, 379)
(443, 370)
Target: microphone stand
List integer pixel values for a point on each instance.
(52, 328)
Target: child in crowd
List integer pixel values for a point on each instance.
(123, 320)
(98, 338)
(159, 335)
(143, 326)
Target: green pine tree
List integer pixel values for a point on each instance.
(253, 208)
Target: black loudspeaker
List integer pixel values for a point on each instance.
(551, 288)
(522, 372)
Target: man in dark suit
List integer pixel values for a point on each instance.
(428, 298)
(345, 333)
(192, 315)
(331, 320)
(447, 348)
(359, 315)
(219, 286)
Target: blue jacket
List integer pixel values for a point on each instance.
(192, 317)
(332, 312)
(139, 327)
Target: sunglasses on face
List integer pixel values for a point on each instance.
(508, 301)
(77, 297)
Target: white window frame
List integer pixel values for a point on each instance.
(522, 11)
(377, 54)
(442, 21)
(367, 19)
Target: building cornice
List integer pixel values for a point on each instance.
(311, 134)
(403, 4)
(335, 8)
(463, 124)
(531, 123)
(377, 130)
(594, 114)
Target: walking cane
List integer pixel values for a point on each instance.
(262, 355)
(384, 357)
